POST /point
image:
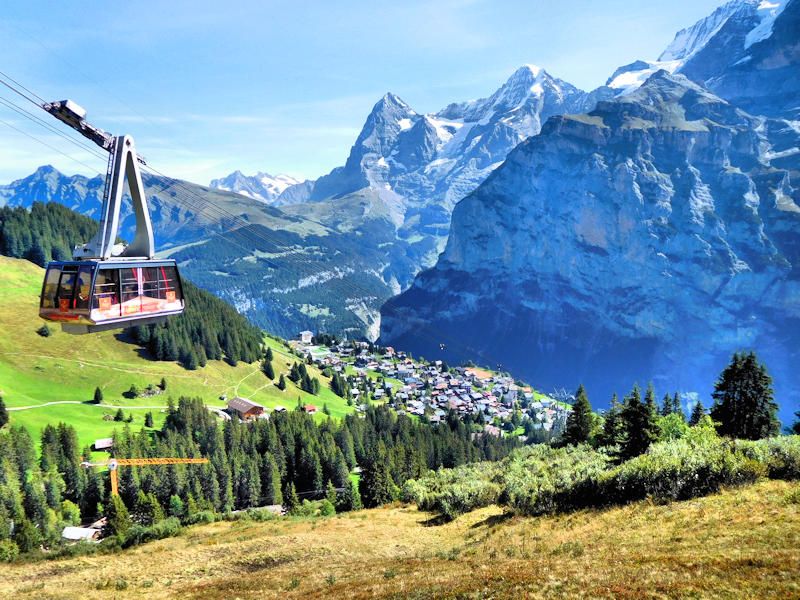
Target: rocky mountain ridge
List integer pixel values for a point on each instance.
(649, 238)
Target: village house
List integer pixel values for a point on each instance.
(305, 337)
(244, 408)
(103, 444)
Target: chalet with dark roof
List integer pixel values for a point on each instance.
(244, 408)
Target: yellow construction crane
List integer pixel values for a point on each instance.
(113, 463)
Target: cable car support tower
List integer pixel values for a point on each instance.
(122, 161)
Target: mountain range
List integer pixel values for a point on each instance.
(326, 254)
(647, 239)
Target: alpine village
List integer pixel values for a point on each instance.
(540, 344)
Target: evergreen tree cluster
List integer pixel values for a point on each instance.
(299, 375)
(283, 460)
(48, 231)
(208, 329)
(743, 408)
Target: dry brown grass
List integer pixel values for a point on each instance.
(743, 543)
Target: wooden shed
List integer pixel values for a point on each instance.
(246, 409)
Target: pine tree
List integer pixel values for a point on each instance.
(27, 536)
(698, 412)
(666, 405)
(638, 424)
(676, 406)
(3, 413)
(268, 355)
(163, 384)
(376, 485)
(579, 421)
(118, 519)
(282, 382)
(351, 499)
(290, 500)
(176, 507)
(271, 481)
(330, 494)
(294, 373)
(613, 433)
(743, 400)
(796, 427)
(98, 396)
(119, 415)
(148, 419)
(266, 368)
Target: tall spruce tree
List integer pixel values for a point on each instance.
(267, 369)
(698, 412)
(579, 421)
(613, 433)
(743, 400)
(638, 423)
(676, 406)
(376, 486)
(3, 413)
(118, 519)
(666, 405)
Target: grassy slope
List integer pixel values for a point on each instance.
(35, 370)
(742, 543)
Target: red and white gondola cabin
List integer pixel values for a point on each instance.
(89, 296)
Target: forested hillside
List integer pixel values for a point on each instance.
(45, 232)
(209, 328)
(286, 459)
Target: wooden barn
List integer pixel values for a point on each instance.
(245, 408)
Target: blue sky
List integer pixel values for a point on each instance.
(284, 87)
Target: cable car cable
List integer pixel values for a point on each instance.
(309, 268)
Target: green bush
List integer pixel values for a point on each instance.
(540, 479)
(8, 551)
(327, 509)
(139, 534)
(554, 480)
(679, 470)
(203, 517)
(781, 455)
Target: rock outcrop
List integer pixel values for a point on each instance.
(647, 239)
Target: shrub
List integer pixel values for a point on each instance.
(554, 480)
(680, 470)
(139, 534)
(781, 455)
(203, 517)
(8, 550)
(327, 509)
(44, 331)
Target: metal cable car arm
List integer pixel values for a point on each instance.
(123, 162)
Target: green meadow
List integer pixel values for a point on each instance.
(37, 370)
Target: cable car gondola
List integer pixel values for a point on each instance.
(108, 285)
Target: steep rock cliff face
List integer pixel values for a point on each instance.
(647, 239)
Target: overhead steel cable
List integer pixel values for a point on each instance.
(28, 115)
(250, 235)
(18, 84)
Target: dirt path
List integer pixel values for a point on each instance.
(86, 403)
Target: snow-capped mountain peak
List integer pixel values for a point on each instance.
(629, 78)
(261, 186)
(688, 41)
(768, 11)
